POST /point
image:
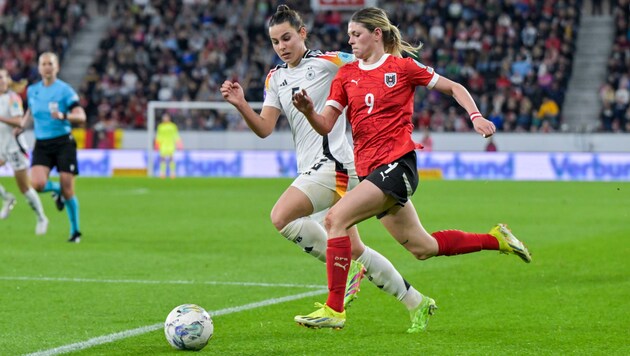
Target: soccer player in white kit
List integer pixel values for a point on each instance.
(13, 149)
(325, 163)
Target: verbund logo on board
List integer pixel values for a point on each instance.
(550, 166)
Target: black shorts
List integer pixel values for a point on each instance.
(60, 152)
(398, 179)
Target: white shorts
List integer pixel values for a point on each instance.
(326, 182)
(15, 152)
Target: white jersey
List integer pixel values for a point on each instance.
(314, 73)
(12, 149)
(10, 106)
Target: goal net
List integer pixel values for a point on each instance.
(190, 116)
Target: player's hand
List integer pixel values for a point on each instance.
(54, 111)
(57, 115)
(303, 102)
(483, 126)
(17, 131)
(232, 92)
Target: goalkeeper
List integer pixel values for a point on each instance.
(167, 140)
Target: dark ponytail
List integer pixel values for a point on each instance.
(285, 14)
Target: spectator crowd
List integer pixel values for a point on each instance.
(515, 56)
(615, 92)
(29, 28)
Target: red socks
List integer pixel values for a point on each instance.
(456, 242)
(338, 256)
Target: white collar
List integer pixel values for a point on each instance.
(373, 65)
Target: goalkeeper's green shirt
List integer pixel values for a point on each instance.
(167, 137)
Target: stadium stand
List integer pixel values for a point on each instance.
(615, 91)
(32, 27)
(516, 56)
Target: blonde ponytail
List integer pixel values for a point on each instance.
(372, 18)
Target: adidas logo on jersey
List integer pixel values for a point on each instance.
(284, 83)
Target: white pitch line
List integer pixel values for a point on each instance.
(146, 329)
(141, 281)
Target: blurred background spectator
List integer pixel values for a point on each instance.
(615, 92)
(515, 56)
(29, 28)
(503, 51)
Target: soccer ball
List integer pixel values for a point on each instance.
(188, 327)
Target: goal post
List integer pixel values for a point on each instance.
(154, 106)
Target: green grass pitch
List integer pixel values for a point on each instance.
(150, 245)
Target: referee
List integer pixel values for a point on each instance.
(54, 107)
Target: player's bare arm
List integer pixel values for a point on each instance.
(25, 118)
(76, 115)
(322, 123)
(463, 98)
(15, 121)
(262, 125)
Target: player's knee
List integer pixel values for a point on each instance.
(333, 222)
(278, 221)
(38, 185)
(329, 220)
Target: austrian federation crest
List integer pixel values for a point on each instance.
(390, 79)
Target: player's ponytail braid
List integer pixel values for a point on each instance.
(372, 18)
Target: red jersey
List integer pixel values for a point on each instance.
(379, 98)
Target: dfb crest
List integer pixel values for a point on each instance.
(390, 79)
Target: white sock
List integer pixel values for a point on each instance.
(412, 298)
(384, 275)
(3, 192)
(309, 235)
(35, 203)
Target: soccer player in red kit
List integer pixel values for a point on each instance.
(377, 91)
(325, 163)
